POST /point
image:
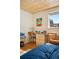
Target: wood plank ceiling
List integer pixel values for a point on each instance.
(34, 6)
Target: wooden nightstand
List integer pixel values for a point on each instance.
(40, 39)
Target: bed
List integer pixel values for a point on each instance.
(45, 51)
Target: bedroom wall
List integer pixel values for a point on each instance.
(44, 15)
(26, 22)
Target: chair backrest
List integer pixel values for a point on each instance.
(29, 33)
(52, 36)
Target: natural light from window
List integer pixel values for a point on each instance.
(53, 20)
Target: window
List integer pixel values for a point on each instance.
(53, 20)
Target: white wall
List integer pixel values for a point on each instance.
(26, 22)
(44, 15)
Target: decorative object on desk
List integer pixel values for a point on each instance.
(39, 22)
(38, 32)
(44, 32)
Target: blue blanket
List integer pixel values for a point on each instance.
(42, 52)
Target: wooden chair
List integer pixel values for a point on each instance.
(53, 38)
(31, 35)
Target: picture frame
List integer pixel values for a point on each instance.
(39, 22)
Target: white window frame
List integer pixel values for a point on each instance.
(49, 20)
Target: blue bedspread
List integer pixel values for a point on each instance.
(43, 52)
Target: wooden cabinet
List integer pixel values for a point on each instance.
(40, 39)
